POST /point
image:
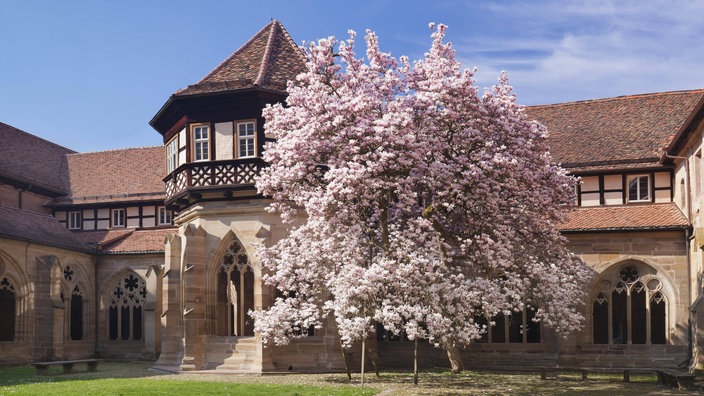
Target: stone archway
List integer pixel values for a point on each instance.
(631, 303)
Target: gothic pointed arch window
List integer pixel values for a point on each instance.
(8, 299)
(125, 315)
(235, 292)
(629, 307)
(72, 295)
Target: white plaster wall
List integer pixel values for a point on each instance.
(224, 141)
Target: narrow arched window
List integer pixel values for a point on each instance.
(235, 292)
(76, 309)
(7, 310)
(125, 314)
(629, 307)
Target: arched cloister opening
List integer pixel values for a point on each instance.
(234, 280)
(125, 311)
(72, 293)
(8, 312)
(630, 306)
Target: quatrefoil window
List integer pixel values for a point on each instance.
(629, 274)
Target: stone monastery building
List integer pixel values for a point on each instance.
(130, 254)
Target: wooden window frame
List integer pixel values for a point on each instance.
(198, 150)
(247, 137)
(113, 223)
(70, 217)
(172, 157)
(630, 178)
(167, 213)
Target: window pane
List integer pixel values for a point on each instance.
(633, 190)
(643, 181)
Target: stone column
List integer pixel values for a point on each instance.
(171, 331)
(193, 280)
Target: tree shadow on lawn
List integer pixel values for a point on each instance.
(442, 382)
(17, 375)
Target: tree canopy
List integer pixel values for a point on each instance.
(427, 204)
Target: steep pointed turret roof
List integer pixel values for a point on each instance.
(267, 60)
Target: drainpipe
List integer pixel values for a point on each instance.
(689, 236)
(96, 298)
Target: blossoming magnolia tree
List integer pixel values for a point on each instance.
(428, 205)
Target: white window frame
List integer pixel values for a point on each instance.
(172, 155)
(248, 138)
(165, 216)
(118, 217)
(201, 142)
(74, 220)
(637, 178)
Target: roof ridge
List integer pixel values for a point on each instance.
(237, 52)
(267, 53)
(620, 97)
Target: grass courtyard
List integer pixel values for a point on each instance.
(136, 378)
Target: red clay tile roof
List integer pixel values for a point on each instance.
(621, 132)
(29, 159)
(127, 241)
(128, 175)
(38, 228)
(268, 60)
(625, 218)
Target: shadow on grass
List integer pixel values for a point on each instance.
(19, 375)
(442, 382)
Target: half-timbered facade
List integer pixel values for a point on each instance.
(151, 252)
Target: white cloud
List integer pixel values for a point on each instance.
(559, 51)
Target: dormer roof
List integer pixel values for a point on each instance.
(268, 60)
(625, 132)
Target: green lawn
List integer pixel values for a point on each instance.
(136, 378)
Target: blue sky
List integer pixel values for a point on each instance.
(89, 75)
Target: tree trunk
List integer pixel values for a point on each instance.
(364, 338)
(347, 365)
(455, 356)
(415, 362)
(373, 356)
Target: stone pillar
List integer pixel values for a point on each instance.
(171, 331)
(193, 280)
(150, 311)
(49, 310)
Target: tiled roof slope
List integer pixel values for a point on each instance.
(133, 174)
(267, 60)
(127, 241)
(28, 158)
(621, 132)
(625, 218)
(37, 228)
